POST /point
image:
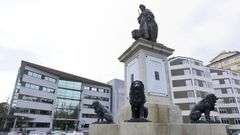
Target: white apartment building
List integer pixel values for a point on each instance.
(227, 88)
(190, 81)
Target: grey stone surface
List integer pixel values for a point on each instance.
(158, 129)
(202, 129)
(188, 129)
(103, 129)
(217, 129)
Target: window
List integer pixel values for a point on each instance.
(179, 72)
(132, 78)
(225, 121)
(222, 110)
(198, 72)
(181, 83)
(207, 73)
(220, 100)
(106, 91)
(42, 125)
(93, 89)
(234, 74)
(186, 72)
(232, 100)
(216, 82)
(36, 75)
(190, 94)
(31, 86)
(234, 110)
(196, 82)
(188, 82)
(237, 82)
(237, 121)
(227, 81)
(200, 83)
(35, 99)
(237, 90)
(238, 99)
(101, 90)
(226, 61)
(89, 115)
(214, 74)
(49, 90)
(197, 63)
(191, 105)
(184, 61)
(33, 111)
(218, 91)
(86, 88)
(209, 85)
(30, 73)
(229, 90)
(96, 98)
(224, 73)
(156, 75)
(50, 79)
(198, 94)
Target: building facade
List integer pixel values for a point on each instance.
(46, 98)
(118, 89)
(190, 82)
(226, 60)
(227, 88)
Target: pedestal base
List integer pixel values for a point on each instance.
(157, 129)
(157, 113)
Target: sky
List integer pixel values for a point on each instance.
(85, 37)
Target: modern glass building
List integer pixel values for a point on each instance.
(67, 105)
(47, 99)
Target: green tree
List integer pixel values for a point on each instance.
(3, 113)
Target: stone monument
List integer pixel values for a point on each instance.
(146, 60)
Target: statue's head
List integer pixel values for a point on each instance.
(142, 7)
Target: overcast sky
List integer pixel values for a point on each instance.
(85, 37)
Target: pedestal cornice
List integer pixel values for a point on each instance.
(146, 45)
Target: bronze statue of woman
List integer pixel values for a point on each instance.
(148, 27)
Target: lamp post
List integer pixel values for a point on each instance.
(14, 124)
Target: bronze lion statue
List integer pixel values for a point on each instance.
(204, 106)
(102, 113)
(137, 101)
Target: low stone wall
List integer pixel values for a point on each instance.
(157, 129)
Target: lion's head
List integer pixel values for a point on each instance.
(211, 99)
(96, 105)
(137, 87)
